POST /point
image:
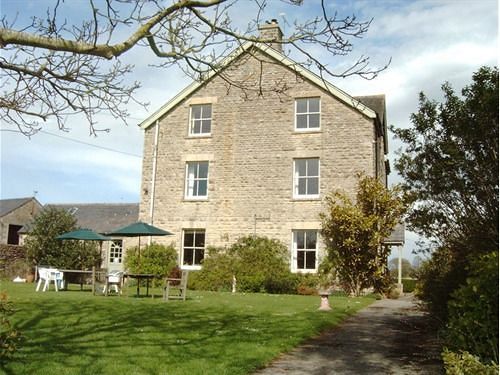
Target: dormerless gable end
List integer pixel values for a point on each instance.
(289, 63)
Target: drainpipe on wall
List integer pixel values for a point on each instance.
(153, 177)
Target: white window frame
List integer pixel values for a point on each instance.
(192, 120)
(193, 180)
(308, 113)
(193, 248)
(116, 252)
(297, 178)
(295, 250)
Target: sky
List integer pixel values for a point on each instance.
(428, 42)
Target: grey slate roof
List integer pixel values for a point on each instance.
(9, 205)
(99, 217)
(375, 102)
(102, 217)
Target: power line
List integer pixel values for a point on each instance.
(90, 144)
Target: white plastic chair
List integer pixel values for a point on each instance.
(114, 279)
(47, 275)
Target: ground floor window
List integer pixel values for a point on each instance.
(115, 251)
(305, 249)
(193, 247)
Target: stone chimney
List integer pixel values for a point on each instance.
(271, 30)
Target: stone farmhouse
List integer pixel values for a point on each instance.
(223, 161)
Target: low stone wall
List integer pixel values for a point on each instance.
(9, 255)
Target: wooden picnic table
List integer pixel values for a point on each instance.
(91, 272)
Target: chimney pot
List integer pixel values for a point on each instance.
(271, 30)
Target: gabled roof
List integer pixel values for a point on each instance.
(9, 205)
(99, 217)
(284, 60)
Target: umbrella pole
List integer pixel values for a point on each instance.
(139, 265)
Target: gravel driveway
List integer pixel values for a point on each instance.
(388, 337)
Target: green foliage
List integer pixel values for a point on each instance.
(258, 263)
(153, 259)
(464, 363)
(9, 337)
(216, 274)
(450, 166)
(437, 278)
(409, 285)
(406, 267)
(354, 232)
(473, 311)
(43, 248)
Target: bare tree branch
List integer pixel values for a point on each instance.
(51, 69)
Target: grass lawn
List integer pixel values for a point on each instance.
(74, 332)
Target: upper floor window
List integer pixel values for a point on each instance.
(306, 178)
(197, 180)
(305, 248)
(307, 114)
(200, 122)
(193, 249)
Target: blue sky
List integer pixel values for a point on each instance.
(430, 42)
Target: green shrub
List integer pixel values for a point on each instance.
(258, 263)
(216, 273)
(408, 285)
(308, 284)
(473, 311)
(464, 363)
(154, 259)
(282, 283)
(437, 278)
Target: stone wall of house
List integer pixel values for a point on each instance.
(20, 216)
(250, 152)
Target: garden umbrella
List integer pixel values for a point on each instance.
(84, 235)
(139, 229)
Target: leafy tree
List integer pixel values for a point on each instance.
(54, 66)
(43, 247)
(406, 267)
(449, 165)
(354, 232)
(417, 262)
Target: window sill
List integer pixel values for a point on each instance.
(302, 199)
(189, 199)
(302, 271)
(201, 136)
(190, 268)
(307, 131)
